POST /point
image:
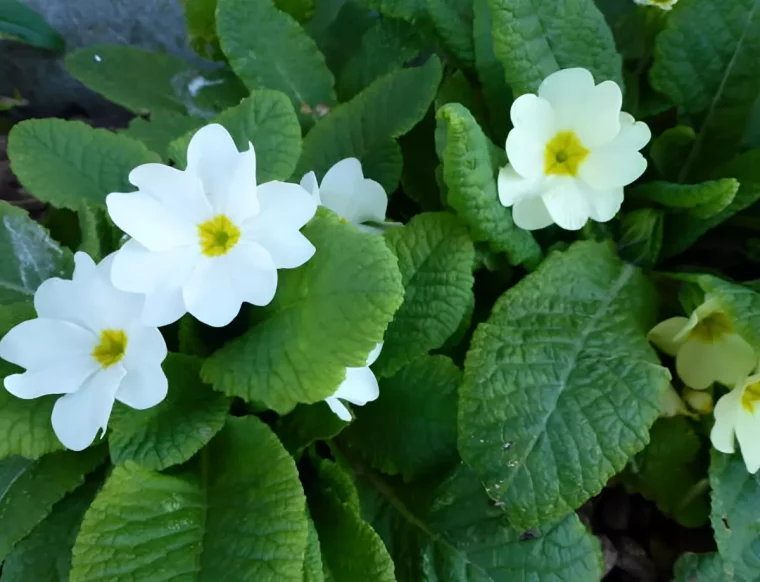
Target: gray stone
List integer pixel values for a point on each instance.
(41, 78)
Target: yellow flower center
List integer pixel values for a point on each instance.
(218, 236)
(711, 328)
(111, 349)
(750, 396)
(564, 154)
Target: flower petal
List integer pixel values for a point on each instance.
(526, 153)
(748, 434)
(236, 197)
(531, 213)
(726, 413)
(607, 168)
(181, 193)
(145, 347)
(253, 273)
(568, 91)
(346, 191)
(359, 387)
(603, 204)
(338, 408)
(287, 205)
(143, 387)
(598, 119)
(534, 115)
(61, 377)
(40, 343)
(567, 204)
(513, 187)
(737, 359)
(699, 364)
(663, 335)
(374, 354)
(78, 417)
(286, 248)
(311, 185)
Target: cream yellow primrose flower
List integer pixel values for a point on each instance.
(571, 152)
(662, 4)
(706, 347)
(737, 414)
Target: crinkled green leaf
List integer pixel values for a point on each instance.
(301, 10)
(238, 513)
(30, 256)
(312, 560)
(268, 49)
(327, 316)
(735, 514)
(19, 22)
(671, 472)
(385, 47)
(705, 61)
(702, 200)
(452, 20)
(435, 257)
(162, 128)
(411, 428)
(701, 568)
(308, 423)
(200, 16)
(366, 126)
(407, 9)
(338, 27)
(142, 81)
(469, 174)
(534, 39)
(99, 236)
(176, 429)
(670, 150)
(267, 120)
(457, 88)
(45, 554)
(640, 239)
(560, 385)
(67, 163)
(29, 489)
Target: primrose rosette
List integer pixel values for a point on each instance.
(388, 291)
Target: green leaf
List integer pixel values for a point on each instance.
(200, 16)
(176, 429)
(670, 150)
(713, 82)
(640, 239)
(338, 27)
(411, 428)
(140, 80)
(237, 514)
(735, 514)
(469, 173)
(385, 47)
(45, 554)
(312, 560)
(560, 384)
(740, 302)
(306, 424)
(67, 163)
(30, 256)
(418, 178)
(21, 23)
(161, 130)
(453, 21)
(29, 489)
(535, 39)
(267, 120)
(327, 316)
(671, 472)
(280, 55)
(99, 236)
(25, 427)
(701, 200)
(435, 257)
(406, 9)
(301, 10)
(701, 568)
(457, 88)
(366, 126)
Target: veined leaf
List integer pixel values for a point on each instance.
(702, 568)
(162, 128)
(407, 9)
(640, 238)
(453, 20)
(701, 200)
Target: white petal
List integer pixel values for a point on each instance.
(374, 354)
(145, 347)
(340, 180)
(568, 91)
(163, 306)
(598, 120)
(748, 435)
(737, 359)
(603, 204)
(513, 187)
(78, 417)
(311, 185)
(210, 295)
(605, 168)
(40, 343)
(285, 245)
(567, 204)
(663, 335)
(252, 272)
(182, 193)
(634, 135)
(237, 197)
(338, 408)
(531, 214)
(526, 153)
(534, 115)
(726, 413)
(60, 377)
(359, 387)
(143, 387)
(154, 225)
(346, 191)
(288, 205)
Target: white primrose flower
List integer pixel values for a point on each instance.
(571, 151)
(354, 198)
(737, 414)
(706, 347)
(89, 344)
(359, 387)
(662, 4)
(208, 239)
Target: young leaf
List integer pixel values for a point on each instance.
(406, 9)
(705, 61)
(67, 163)
(162, 128)
(452, 20)
(239, 513)
(411, 428)
(435, 257)
(670, 150)
(29, 489)
(640, 239)
(534, 39)
(21, 23)
(560, 384)
(176, 429)
(280, 55)
(267, 120)
(702, 200)
(306, 424)
(469, 174)
(366, 126)
(140, 80)
(327, 315)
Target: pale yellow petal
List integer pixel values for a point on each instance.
(663, 334)
(736, 361)
(696, 363)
